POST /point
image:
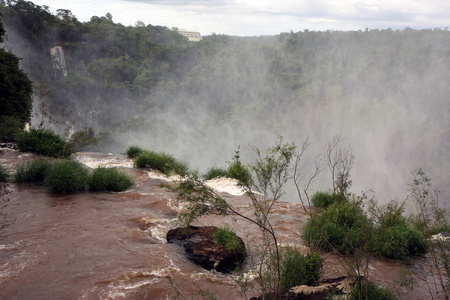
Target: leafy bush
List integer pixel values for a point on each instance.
(394, 236)
(343, 226)
(161, 161)
(133, 151)
(238, 171)
(67, 176)
(43, 141)
(226, 237)
(322, 200)
(109, 179)
(367, 290)
(9, 128)
(4, 174)
(215, 172)
(34, 171)
(298, 269)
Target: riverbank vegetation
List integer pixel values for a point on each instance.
(161, 161)
(69, 176)
(104, 179)
(44, 141)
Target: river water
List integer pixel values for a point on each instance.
(112, 245)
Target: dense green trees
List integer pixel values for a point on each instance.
(149, 79)
(15, 93)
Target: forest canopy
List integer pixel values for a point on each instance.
(386, 91)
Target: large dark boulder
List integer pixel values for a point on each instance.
(199, 247)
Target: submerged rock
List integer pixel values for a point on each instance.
(199, 247)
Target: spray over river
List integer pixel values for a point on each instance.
(113, 246)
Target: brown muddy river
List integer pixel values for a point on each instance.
(112, 245)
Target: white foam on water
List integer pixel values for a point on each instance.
(157, 227)
(94, 160)
(16, 264)
(227, 185)
(158, 175)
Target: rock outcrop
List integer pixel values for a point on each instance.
(199, 247)
(333, 286)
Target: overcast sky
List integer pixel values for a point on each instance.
(264, 17)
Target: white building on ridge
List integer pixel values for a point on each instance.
(193, 36)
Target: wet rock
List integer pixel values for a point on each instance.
(328, 287)
(199, 247)
(9, 145)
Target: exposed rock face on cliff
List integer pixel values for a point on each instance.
(199, 247)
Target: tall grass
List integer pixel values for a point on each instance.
(109, 179)
(161, 161)
(45, 142)
(33, 171)
(226, 237)
(215, 172)
(363, 289)
(133, 151)
(299, 269)
(67, 176)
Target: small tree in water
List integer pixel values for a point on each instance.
(264, 187)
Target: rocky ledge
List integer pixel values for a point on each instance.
(328, 287)
(199, 247)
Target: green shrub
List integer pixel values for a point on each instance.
(298, 269)
(367, 290)
(239, 172)
(322, 200)
(161, 161)
(215, 172)
(33, 171)
(394, 236)
(109, 179)
(4, 174)
(67, 176)
(43, 141)
(9, 128)
(133, 151)
(343, 226)
(226, 237)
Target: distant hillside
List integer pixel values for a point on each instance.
(386, 92)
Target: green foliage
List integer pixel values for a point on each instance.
(33, 171)
(394, 236)
(133, 151)
(15, 89)
(430, 218)
(343, 226)
(161, 161)
(367, 290)
(238, 171)
(215, 172)
(4, 174)
(322, 200)
(200, 199)
(9, 128)
(298, 269)
(43, 141)
(67, 176)
(109, 179)
(226, 237)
